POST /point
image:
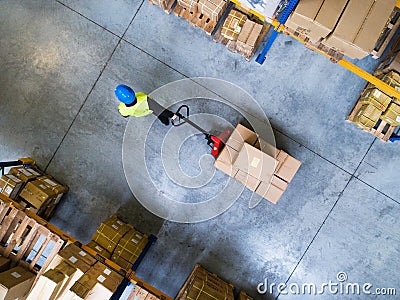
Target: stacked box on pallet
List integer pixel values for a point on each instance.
(119, 242)
(352, 27)
(59, 191)
(110, 232)
(233, 25)
(256, 164)
(73, 262)
(367, 116)
(164, 4)
(392, 115)
(10, 185)
(248, 38)
(212, 9)
(129, 248)
(16, 283)
(48, 285)
(36, 195)
(191, 5)
(244, 296)
(98, 283)
(204, 285)
(24, 174)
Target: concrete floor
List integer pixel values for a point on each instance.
(59, 64)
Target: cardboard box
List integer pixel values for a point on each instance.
(391, 63)
(204, 286)
(98, 283)
(47, 286)
(392, 115)
(247, 180)
(130, 246)
(270, 192)
(241, 135)
(10, 185)
(244, 296)
(58, 189)
(254, 35)
(110, 233)
(392, 78)
(233, 25)
(212, 8)
(191, 5)
(24, 174)
(96, 247)
(377, 98)
(256, 163)
(74, 256)
(287, 166)
(374, 24)
(16, 283)
(348, 27)
(36, 193)
(225, 160)
(246, 30)
(316, 19)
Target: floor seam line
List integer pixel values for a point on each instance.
(87, 18)
(318, 231)
(375, 189)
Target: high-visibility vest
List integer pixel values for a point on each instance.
(140, 109)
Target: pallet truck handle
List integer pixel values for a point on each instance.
(181, 116)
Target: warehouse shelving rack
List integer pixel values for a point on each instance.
(64, 238)
(279, 27)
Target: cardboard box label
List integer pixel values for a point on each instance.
(52, 183)
(254, 163)
(25, 172)
(33, 172)
(398, 119)
(43, 187)
(8, 190)
(82, 253)
(139, 236)
(377, 93)
(119, 222)
(114, 226)
(134, 241)
(16, 274)
(101, 278)
(13, 178)
(98, 248)
(73, 259)
(107, 271)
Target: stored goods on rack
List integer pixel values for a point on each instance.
(201, 284)
(140, 293)
(387, 34)
(243, 38)
(351, 27)
(243, 147)
(166, 5)
(16, 283)
(205, 14)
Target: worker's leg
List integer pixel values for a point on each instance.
(161, 112)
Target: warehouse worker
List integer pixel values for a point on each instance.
(140, 105)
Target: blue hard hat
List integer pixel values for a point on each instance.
(125, 94)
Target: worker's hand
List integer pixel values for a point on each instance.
(174, 117)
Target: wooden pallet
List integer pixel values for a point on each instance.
(166, 6)
(20, 234)
(231, 45)
(382, 129)
(195, 19)
(387, 35)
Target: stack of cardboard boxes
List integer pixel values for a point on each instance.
(42, 194)
(233, 25)
(212, 9)
(10, 185)
(376, 105)
(119, 242)
(75, 274)
(15, 283)
(190, 5)
(248, 38)
(256, 164)
(352, 27)
(203, 285)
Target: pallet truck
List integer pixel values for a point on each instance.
(216, 143)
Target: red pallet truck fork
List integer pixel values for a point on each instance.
(216, 143)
